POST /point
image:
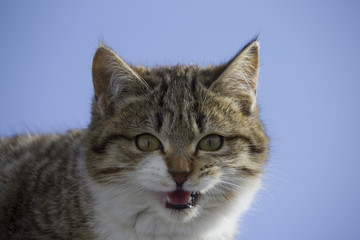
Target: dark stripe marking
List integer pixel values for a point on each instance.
(253, 148)
(100, 149)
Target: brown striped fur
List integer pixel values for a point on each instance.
(45, 181)
(42, 195)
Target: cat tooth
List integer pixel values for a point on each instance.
(168, 199)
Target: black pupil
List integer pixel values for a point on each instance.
(209, 142)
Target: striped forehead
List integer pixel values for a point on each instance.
(177, 102)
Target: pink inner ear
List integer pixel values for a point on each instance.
(179, 197)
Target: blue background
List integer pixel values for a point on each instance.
(308, 88)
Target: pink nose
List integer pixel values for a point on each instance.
(180, 177)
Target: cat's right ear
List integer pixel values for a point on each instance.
(113, 79)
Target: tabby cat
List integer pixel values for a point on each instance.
(173, 152)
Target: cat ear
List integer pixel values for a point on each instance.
(239, 79)
(113, 78)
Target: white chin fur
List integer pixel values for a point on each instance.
(120, 215)
(133, 211)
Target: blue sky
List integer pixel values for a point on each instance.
(308, 88)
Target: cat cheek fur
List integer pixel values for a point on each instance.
(153, 175)
(203, 178)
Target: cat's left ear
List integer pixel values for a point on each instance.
(239, 79)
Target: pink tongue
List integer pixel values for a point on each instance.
(179, 197)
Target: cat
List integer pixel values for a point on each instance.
(172, 152)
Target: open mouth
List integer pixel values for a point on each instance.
(181, 199)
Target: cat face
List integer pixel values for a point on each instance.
(176, 142)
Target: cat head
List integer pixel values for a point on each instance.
(178, 141)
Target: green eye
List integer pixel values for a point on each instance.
(147, 143)
(210, 143)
